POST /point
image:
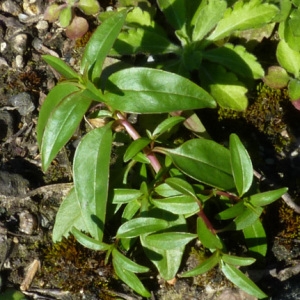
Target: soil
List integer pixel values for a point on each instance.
(29, 198)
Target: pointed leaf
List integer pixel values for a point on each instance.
(207, 17)
(181, 185)
(130, 210)
(135, 147)
(242, 281)
(125, 195)
(127, 263)
(241, 165)
(65, 16)
(232, 211)
(203, 160)
(166, 125)
(68, 215)
(266, 198)
(144, 90)
(178, 204)
(224, 86)
(138, 226)
(237, 60)
(166, 191)
(207, 238)
(130, 279)
(89, 242)
(174, 10)
(237, 260)
(205, 266)
(247, 218)
(60, 66)
(288, 58)
(56, 95)
(61, 125)
(255, 237)
(169, 240)
(100, 44)
(91, 176)
(244, 16)
(294, 89)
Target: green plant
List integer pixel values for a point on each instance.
(201, 43)
(154, 189)
(75, 26)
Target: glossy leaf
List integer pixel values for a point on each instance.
(232, 211)
(68, 216)
(55, 96)
(266, 198)
(203, 160)
(130, 210)
(166, 125)
(236, 59)
(247, 218)
(225, 87)
(154, 91)
(125, 195)
(169, 240)
(61, 125)
(127, 263)
(207, 17)
(181, 186)
(165, 190)
(207, 238)
(60, 66)
(294, 89)
(242, 281)
(175, 12)
(288, 58)
(241, 165)
(243, 15)
(100, 44)
(237, 260)
(91, 176)
(205, 266)
(255, 237)
(130, 279)
(178, 204)
(89, 242)
(65, 16)
(138, 226)
(135, 147)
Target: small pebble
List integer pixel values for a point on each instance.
(11, 7)
(28, 222)
(19, 43)
(19, 61)
(23, 103)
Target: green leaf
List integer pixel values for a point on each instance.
(89, 242)
(241, 165)
(207, 17)
(130, 279)
(165, 190)
(286, 34)
(232, 211)
(100, 44)
(294, 89)
(266, 198)
(175, 12)
(205, 266)
(181, 186)
(236, 59)
(60, 66)
(277, 77)
(247, 218)
(207, 238)
(127, 263)
(68, 216)
(91, 176)
(12, 294)
(89, 7)
(169, 240)
(242, 281)
(141, 225)
(62, 123)
(135, 147)
(178, 204)
(224, 86)
(167, 125)
(255, 237)
(288, 58)
(56, 95)
(130, 210)
(242, 16)
(237, 260)
(203, 160)
(65, 16)
(144, 90)
(125, 195)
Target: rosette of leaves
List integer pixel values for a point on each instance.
(169, 184)
(74, 25)
(198, 37)
(287, 53)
